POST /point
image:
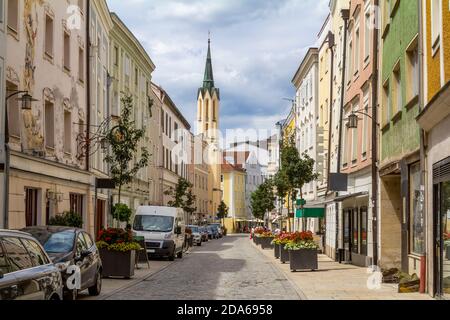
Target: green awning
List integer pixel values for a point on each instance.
(311, 213)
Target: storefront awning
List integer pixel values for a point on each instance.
(353, 195)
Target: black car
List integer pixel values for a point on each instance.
(71, 246)
(26, 271)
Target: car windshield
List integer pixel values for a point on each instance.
(153, 223)
(194, 229)
(60, 242)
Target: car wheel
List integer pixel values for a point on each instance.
(97, 287)
(180, 254)
(72, 295)
(172, 256)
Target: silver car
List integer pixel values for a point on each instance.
(196, 235)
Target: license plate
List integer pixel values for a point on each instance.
(151, 251)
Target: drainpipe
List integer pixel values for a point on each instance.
(345, 13)
(88, 82)
(423, 170)
(375, 140)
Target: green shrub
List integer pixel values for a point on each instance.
(67, 219)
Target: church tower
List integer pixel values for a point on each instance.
(208, 103)
(208, 125)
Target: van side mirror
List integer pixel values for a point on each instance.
(178, 230)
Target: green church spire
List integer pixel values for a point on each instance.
(208, 80)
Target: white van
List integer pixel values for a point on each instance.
(163, 229)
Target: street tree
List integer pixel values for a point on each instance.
(222, 212)
(263, 199)
(127, 156)
(182, 196)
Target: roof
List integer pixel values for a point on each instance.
(228, 166)
(208, 79)
(164, 97)
(310, 58)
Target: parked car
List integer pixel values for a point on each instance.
(196, 235)
(218, 228)
(71, 246)
(26, 271)
(163, 229)
(204, 234)
(212, 232)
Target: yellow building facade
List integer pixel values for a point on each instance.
(434, 119)
(233, 186)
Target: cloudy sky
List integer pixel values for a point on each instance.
(257, 46)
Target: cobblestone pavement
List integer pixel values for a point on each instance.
(227, 269)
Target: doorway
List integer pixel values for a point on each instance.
(31, 207)
(100, 216)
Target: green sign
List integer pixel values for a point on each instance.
(310, 213)
(301, 202)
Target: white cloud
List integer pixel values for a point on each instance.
(256, 46)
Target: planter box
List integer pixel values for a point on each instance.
(118, 264)
(276, 251)
(258, 241)
(303, 260)
(448, 253)
(284, 254)
(266, 243)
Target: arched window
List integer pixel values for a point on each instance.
(200, 110)
(207, 109)
(214, 111)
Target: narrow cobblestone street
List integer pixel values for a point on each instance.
(230, 269)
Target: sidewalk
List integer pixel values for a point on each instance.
(334, 281)
(112, 286)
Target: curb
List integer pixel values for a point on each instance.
(300, 293)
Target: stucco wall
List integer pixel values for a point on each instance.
(400, 137)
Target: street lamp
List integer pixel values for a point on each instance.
(27, 101)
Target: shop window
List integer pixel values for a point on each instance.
(355, 231)
(364, 231)
(31, 207)
(417, 232)
(77, 203)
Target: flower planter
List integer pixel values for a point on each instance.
(118, 264)
(276, 251)
(266, 242)
(304, 259)
(258, 240)
(284, 254)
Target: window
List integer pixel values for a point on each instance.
(76, 203)
(170, 127)
(4, 265)
(13, 16)
(365, 126)
(49, 125)
(18, 256)
(386, 104)
(1, 22)
(81, 244)
(345, 145)
(357, 50)
(38, 257)
(412, 68)
(435, 24)
(66, 51)
(136, 77)
(363, 231)
(355, 139)
(162, 121)
(397, 91)
(49, 36)
(116, 56)
(67, 132)
(14, 111)
(367, 36)
(81, 65)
